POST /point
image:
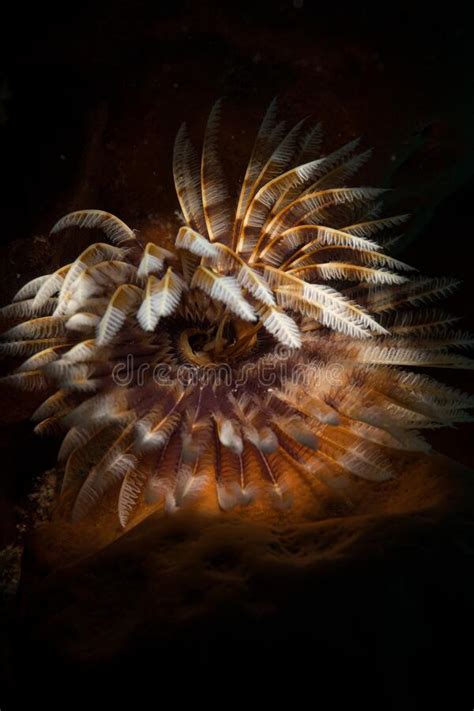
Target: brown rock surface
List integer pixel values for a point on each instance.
(178, 598)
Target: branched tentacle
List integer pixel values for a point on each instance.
(268, 346)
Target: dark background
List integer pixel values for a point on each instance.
(92, 94)
(400, 75)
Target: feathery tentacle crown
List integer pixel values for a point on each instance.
(291, 296)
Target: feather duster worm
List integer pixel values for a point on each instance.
(268, 340)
